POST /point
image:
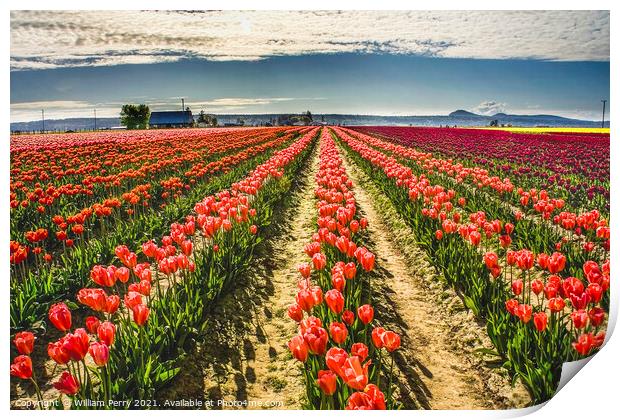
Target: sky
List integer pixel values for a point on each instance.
(386, 63)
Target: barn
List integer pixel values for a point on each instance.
(171, 119)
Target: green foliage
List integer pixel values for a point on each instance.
(135, 116)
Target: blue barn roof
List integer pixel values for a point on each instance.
(170, 117)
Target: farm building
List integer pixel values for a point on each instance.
(171, 119)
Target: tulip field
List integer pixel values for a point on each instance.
(123, 246)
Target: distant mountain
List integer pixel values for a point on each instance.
(460, 113)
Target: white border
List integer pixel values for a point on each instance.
(590, 394)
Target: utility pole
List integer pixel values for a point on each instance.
(43, 121)
(95, 118)
(604, 101)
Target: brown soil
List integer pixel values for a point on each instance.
(245, 357)
(436, 366)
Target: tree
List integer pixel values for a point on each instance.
(135, 116)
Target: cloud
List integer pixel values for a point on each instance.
(51, 39)
(490, 108)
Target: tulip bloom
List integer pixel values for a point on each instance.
(338, 331)
(579, 318)
(24, 341)
(106, 332)
(298, 348)
(22, 367)
(140, 314)
(92, 323)
(304, 270)
(67, 384)
(597, 316)
(348, 317)
(365, 313)
(100, 353)
(371, 399)
(76, 344)
(319, 261)
(556, 304)
(355, 374)
(335, 359)
(326, 380)
(316, 338)
(391, 341)
(60, 316)
(295, 312)
(334, 301)
(360, 350)
(540, 321)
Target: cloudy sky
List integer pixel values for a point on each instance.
(401, 63)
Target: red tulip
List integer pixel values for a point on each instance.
(350, 271)
(76, 344)
(67, 384)
(60, 316)
(348, 317)
(439, 235)
(540, 321)
(391, 341)
(355, 374)
(360, 350)
(595, 292)
(100, 353)
(106, 332)
(122, 274)
(371, 399)
(584, 344)
(316, 338)
(334, 301)
(556, 263)
(338, 281)
(517, 287)
(511, 306)
(326, 380)
(319, 261)
(338, 331)
(597, 316)
(295, 312)
(524, 312)
(556, 304)
(253, 229)
(22, 367)
(537, 286)
(57, 353)
(365, 313)
(475, 237)
(140, 314)
(92, 323)
(298, 348)
(304, 270)
(96, 299)
(579, 318)
(112, 303)
(335, 359)
(377, 337)
(24, 341)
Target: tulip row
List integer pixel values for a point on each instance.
(575, 166)
(504, 287)
(588, 223)
(341, 351)
(34, 286)
(135, 348)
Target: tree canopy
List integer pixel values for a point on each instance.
(135, 116)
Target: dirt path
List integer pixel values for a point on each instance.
(436, 366)
(245, 357)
